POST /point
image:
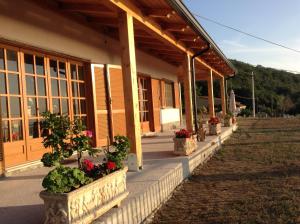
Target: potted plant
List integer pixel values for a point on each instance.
(184, 142)
(214, 126)
(83, 193)
(228, 119)
(203, 112)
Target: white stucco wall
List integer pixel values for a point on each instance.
(28, 23)
(169, 115)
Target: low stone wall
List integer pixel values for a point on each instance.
(140, 208)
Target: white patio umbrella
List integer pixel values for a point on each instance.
(232, 104)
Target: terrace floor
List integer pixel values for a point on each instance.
(162, 172)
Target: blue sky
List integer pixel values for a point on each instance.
(275, 20)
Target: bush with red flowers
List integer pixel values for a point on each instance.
(214, 121)
(183, 133)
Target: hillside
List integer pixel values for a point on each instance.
(277, 91)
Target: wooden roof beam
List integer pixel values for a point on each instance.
(159, 13)
(175, 27)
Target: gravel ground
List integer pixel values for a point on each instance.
(254, 178)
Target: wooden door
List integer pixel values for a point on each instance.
(12, 107)
(144, 89)
(36, 101)
(102, 103)
(156, 103)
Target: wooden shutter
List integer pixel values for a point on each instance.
(156, 102)
(176, 95)
(117, 97)
(102, 115)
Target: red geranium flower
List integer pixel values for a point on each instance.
(183, 133)
(214, 120)
(88, 165)
(89, 134)
(111, 165)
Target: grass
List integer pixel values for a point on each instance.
(254, 178)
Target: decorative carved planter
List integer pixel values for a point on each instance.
(86, 203)
(215, 129)
(184, 146)
(228, 122)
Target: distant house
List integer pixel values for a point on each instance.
(116, 65)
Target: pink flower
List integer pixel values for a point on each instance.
(89, 134)
(88, 165)
(111, 165)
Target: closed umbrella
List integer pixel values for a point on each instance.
(232, 104)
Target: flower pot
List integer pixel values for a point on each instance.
(86, 203)
(228, 122)
(215, 129)
(184, 146)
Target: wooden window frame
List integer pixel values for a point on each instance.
(168, 82)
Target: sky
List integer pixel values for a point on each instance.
(274, 20)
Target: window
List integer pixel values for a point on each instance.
(78, 92)
(10, 95)
(169, 94)
(143, 90)
(37, 101)
(59, 87)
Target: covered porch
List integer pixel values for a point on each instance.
(162, 172)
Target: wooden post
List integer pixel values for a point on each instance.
(223, 98)
(211, 100)
(187, 84)
(133, 127)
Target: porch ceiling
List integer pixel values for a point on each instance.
(103, 16)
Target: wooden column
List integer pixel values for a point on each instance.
(187, 85)
(223, 98)
(133, 127)
(211, 100)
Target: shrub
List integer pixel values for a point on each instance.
(183, 133)
(65, 179)
(214, 121)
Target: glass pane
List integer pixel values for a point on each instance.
(2, 84)
(34, 128)
(73, 72)
(31, 107)
(42, 107)
(17, 130)
(29, 63)
(39, 62)
(4, 107)
(12, 60)
(53, 68)
(56, 106)
(84, 121)
(80, 73)
(74, 89)
(13, 80)
(63, 88)
(75, 107)
(54, 87)
(62, 69)
(82, 107)
(30, 86)
(41, 86)
(2, 66)
(81, 90)
(15, 106)
(5, 131)
(64, 106)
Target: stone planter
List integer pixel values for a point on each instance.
(228, 122)
(86, 203)
(215, 129)
(184, 146)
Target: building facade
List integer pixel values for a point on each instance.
(116, 65)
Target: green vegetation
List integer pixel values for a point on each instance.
(277, 92)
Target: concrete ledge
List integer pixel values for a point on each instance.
(23, 167)
(154, 185)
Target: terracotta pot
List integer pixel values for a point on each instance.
(185, 146)
(87, 203)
